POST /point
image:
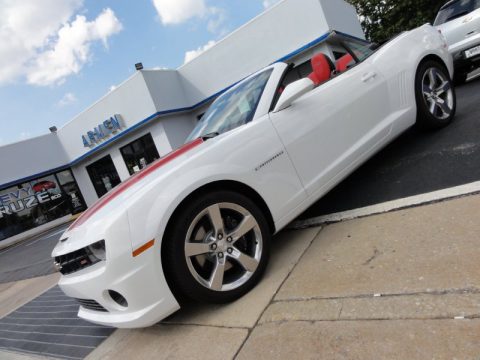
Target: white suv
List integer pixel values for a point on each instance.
(459, 22)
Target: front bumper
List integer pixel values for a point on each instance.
(464, 64)
(139, 280)
(458, 53)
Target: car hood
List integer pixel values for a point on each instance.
(109, 207)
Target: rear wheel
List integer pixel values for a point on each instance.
(217, 249)
(435, 95)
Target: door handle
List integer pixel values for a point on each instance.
(368, 76)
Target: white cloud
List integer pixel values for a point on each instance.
(71, 50)
(216, 22)
(173, 12)
(192, 54)
(25, 27)
(268, 3)
(68, 99)
(40, 33)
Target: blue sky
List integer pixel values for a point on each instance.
(57, 57)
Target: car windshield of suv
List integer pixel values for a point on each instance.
(234, 108)
(456, 9)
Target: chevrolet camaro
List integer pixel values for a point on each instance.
(196, 225)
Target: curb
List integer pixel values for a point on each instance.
(417, 200)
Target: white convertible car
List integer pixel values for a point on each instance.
(196, 225)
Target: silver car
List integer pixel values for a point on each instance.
(459, 22)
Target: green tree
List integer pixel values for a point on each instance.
(382, 19)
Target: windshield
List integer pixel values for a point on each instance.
(456, 9)
(361, 50)
(234, 108)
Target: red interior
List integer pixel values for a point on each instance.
(322, 69)
(344, 62)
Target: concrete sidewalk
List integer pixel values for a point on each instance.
(400, 285)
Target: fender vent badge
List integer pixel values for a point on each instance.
(269, 161)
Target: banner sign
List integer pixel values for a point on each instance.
(27, 198)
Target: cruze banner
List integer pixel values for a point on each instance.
(36, 202)
(25, 198)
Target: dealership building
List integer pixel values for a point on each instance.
(47, 179)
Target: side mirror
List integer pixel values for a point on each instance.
(292, 92)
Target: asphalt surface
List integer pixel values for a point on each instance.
(30, 258)
(415, 163)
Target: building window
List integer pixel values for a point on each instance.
(71, 190)
(36, 202)
(103, 175)
(139, 153)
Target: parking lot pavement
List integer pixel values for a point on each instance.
(15, 294)
(416, 163)
(30, 258)
(400, 285)
(386, 286)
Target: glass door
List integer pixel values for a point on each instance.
(104, 175)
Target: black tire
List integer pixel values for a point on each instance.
(183, 273)
(439, 117)
(460, 77)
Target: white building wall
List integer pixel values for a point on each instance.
(131, 100)
(178, 128)
(166, 89)
(29, 157)
(343, 17)
(155, 128)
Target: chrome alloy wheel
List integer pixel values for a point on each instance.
(437, 93)
(223, 246)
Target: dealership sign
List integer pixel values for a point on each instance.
(24, 199)
(102, 131)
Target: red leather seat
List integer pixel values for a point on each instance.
(343, 63)
(322, 69)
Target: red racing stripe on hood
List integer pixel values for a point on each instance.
(133, 180)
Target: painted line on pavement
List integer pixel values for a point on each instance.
(388, 206)
(48, 236)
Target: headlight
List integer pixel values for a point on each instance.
(97, 250)
(81, 258)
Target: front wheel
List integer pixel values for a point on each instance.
(217, 249)
(435, 95)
